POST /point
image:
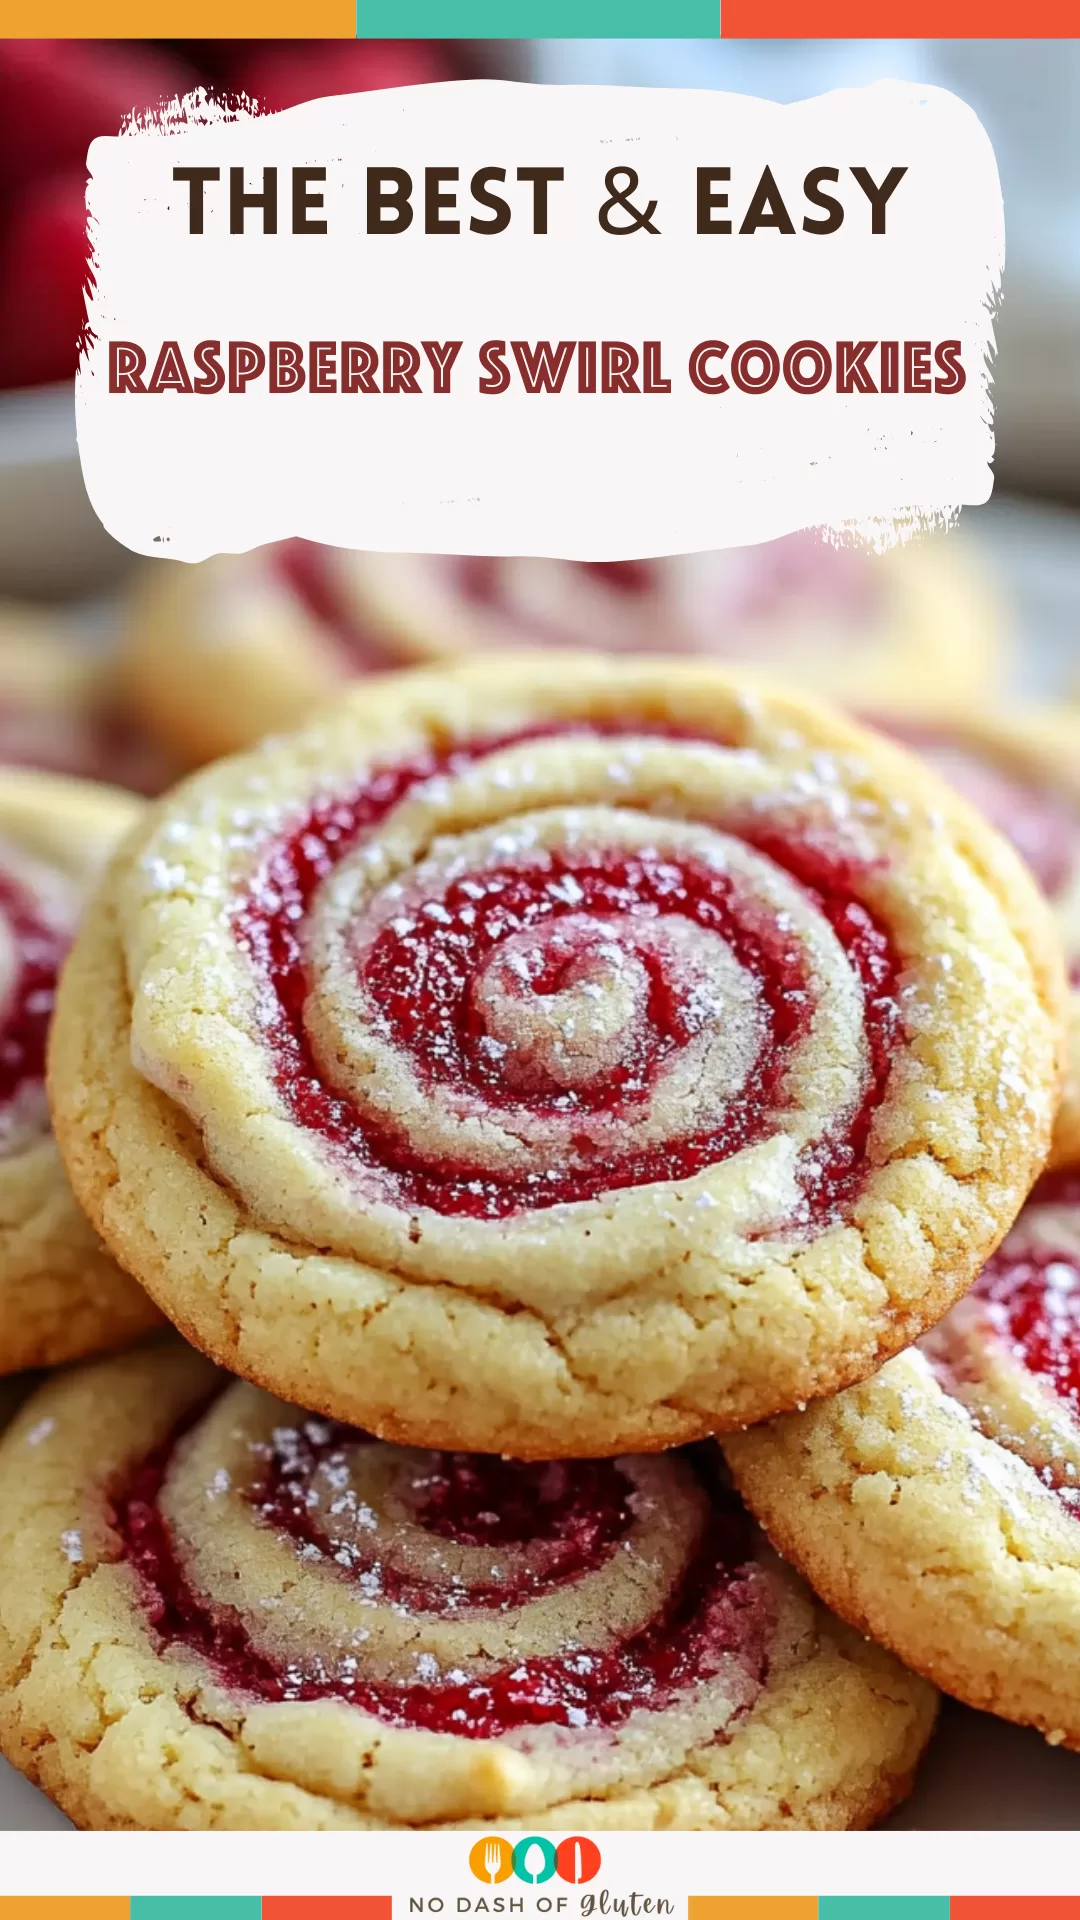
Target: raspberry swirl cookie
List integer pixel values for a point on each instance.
(1023, 773)
(60, 1294)
(557, 1055)
(222, 653)
(230, 1613)
(937, 1506)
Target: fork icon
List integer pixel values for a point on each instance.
(492, 1860)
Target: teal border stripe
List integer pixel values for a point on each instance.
(538, 19)
(183, 1906)
(883, 1906)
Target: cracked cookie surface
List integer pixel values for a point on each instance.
(937, 1506)
(241, 645)
(219, 1611)
(61, 1296)
(559, 1055)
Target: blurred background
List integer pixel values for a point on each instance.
(65, 584)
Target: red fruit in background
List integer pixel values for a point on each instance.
(42, 273)
(58, 95)
(284, 74)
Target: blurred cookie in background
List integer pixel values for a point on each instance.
(840, 619)
(221, 653)
(60, 707)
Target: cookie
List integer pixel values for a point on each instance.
(1023, 773)
(559, 1055)
(60, 1294)
(843, 621)
(226, 1613)
(937, 1506)
(222, 653)
(59, 711)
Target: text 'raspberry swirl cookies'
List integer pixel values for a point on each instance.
(559, 1056)
(241, 645)
(1023, 774)
(937, 1506)
(230, 1613)
(60, 1294)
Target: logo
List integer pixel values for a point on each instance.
(535, 1859)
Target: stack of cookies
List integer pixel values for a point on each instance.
(578, 1113)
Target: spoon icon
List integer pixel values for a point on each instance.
(526, 1869)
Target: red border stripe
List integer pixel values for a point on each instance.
(349, 1906)
(1014, 1906)
(915, 20)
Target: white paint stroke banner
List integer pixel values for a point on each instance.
(243, 386)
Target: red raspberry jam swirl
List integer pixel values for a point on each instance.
(1039, 823)
(426, 989)
(1036, 1303)
(576, 1510)
(1030, 1300)
(38, 948)
(721, 1608)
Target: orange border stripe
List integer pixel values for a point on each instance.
(752, 1906)
(916, 20)
(180, 19)
(64, 1906)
